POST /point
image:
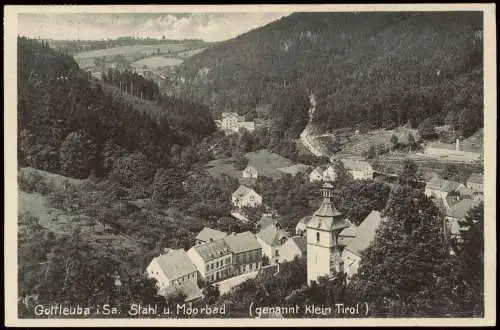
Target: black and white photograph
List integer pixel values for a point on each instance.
(273, 165)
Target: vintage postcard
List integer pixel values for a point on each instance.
(257, 165)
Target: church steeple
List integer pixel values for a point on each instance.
(323, 254)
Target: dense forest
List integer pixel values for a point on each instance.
(367, 70)
(68, 125)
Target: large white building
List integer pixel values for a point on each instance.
(246, 252)
(231, 123)
(213, 260)
(174, 270)
(323, 253)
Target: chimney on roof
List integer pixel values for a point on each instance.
(166, 250)
(233, 233)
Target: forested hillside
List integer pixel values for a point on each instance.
(367, 70)
(69, 125)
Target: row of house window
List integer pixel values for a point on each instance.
(219, 275)
(217, 264)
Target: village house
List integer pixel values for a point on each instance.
(316, 175)
(270, 239)
(246, 252)
(456, 213)
(365, 235)
(265, 220)
(440, 188)
(231, 123)
(250, 172)
(294, 247)
(246, 197)
(209, 235)
(330, 174)
(213, 260)
(475, 182)
(301, 227)
(173, 271)
(360, 170)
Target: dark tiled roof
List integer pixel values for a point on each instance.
(212, 250)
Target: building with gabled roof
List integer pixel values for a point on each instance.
(213, 260)
(209, 235)
(246, 252)
(295, 246)
(246, 197)
(457, 213)
(316, 175)
(250, 172)
(475, 182)
(270, 238)
(440, 188)
(301, 227)
(267, 219)
(174, 269)
(330, 174)
(366, 232)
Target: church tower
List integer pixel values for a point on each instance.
(323, 254)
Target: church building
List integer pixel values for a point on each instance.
(323, 253)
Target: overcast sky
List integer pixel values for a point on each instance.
(206, 26)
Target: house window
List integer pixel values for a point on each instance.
(208, 268)
(317, 237)
(277, 254)
(217, 265)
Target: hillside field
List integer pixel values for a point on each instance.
(267, 164)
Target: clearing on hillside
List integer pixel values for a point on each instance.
(130, 50)
(267, 163)
(155, 62)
